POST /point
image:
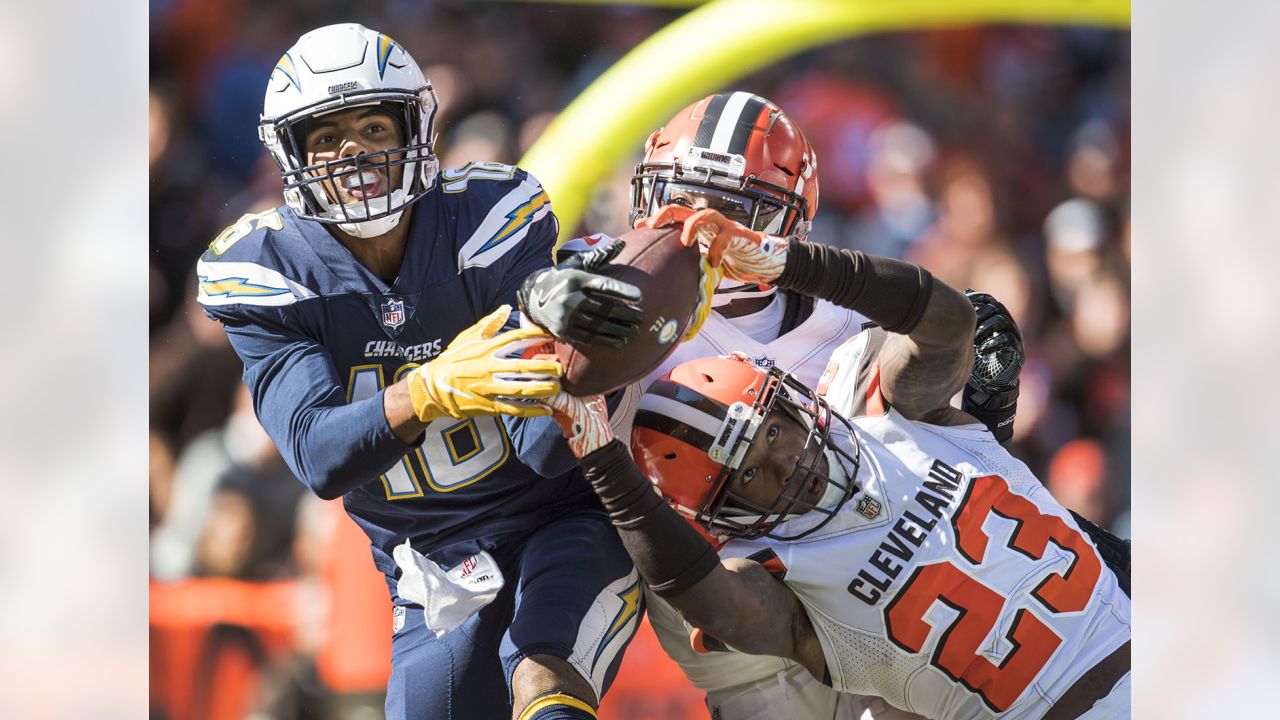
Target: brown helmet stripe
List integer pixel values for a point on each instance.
(672, 427)
(690, 397)
(707, 128)
(746, 122)
(681, 413)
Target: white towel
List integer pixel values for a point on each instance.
(447, 598)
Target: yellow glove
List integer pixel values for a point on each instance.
(471, 377)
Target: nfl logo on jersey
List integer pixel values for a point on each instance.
(869, 508)
(393, 313)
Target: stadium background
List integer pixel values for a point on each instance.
(997, 156)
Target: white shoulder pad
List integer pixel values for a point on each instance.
(246, 283)
(839, 382)
(505, 225)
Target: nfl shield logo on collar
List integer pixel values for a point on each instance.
(393, 313)
(869, 508)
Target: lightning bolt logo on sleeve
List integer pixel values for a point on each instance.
(507, 222)
(229, 283)
(237, 287)
(518, 219)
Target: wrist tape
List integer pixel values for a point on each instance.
(995, 409)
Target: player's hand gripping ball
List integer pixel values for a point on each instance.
(670, 282)
(732, 248)
(575, 303)
(584, 421)
(476, 374)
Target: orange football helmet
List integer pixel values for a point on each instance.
(697, 423)
(741, 148)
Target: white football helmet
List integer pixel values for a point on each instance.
(339, 67)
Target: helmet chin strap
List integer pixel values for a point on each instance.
(832, 493)
(372, 228)
(376, 226)
(429, 168)
(746, 517)
(729, 290)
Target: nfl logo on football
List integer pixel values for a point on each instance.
(393, 313)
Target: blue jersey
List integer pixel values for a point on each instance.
(321, 336)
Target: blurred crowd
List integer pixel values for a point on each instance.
(998, 158)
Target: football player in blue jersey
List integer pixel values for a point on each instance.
(368, 311)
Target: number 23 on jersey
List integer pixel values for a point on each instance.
(979, 607)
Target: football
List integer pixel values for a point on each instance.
(668, 274)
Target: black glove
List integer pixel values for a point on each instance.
(573, 303)
(991, 395)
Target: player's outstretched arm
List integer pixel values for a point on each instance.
(737, 601)
(334, 445)
(927, 357)
(472, 377)
(744, 607)
(921, 368)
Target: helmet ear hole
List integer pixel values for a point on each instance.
(670, 456)
(708, 378)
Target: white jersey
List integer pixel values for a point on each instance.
(803, 352)
(952, 584)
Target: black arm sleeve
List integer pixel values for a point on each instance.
(890, 292)
(669, 554)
